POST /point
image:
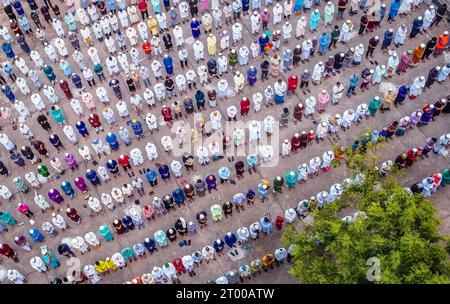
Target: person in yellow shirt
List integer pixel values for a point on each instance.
(211, 41)
(153, 25)
(101, 267)
(110, 264)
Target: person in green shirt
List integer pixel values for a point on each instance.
(278, 185)
(232, 58)
(445, 177)
(335, 33)
(98, 70)
(291, 179)
(57, 114)
(374, 105)
(6, 218)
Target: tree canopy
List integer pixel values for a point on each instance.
(400, 231)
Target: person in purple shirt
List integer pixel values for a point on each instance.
(211, 182)
(55, 196)
(70, 160)
(80, 183)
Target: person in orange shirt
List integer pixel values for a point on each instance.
(441, 44)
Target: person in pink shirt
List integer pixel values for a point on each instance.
(323, 98)
(25, 210)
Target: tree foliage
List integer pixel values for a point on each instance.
(400, 229)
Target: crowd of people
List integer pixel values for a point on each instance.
(138, 58)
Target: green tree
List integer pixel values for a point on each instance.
(400, 230)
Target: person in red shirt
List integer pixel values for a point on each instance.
(279, 222)
(8, 252)
(292, 84)
(73, 215)
(124, 161)
(245, 106)
(64, 85)
(178, 266)
(295, 142)
(142, 6)
(94, 120)
(147, 47)
(167, 114)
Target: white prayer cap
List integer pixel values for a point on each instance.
(422, 45)
(320, 63)
(296, 135)
(292, 173)
(324, 91)
(324, 124)
(391, 30)
(383, 66)
(303, 18)
(371, 71)
(376, 37)
(431, 6)
(438, 68)
(330, 153)
(446, 33)
(377, 97)
(304, 165)
(348, 21)
(337, 116)
(422, 77)
(420, 18)
(305, 71)
(316, 10)
(286, 141)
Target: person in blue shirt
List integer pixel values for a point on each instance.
(178, 196)
(92, 176)
(6, 89)
(151, 177)
(111, 5)
(67, 189)
(230, 239)
(245, 7)
(381, 13)
(36, 235)
(387, 39)
(112, 141)
(219, 245)
(136, 125)
(402, 92)
(324, 42)
(81, 127)
(266, 225)
(8, 69)
(353, 83)
(125, 135)
(164, 172)
(56, 142)
(416, 27)
(262, 191)
(252, 159)
(195, 28)
(263, 41)
(8, 50)
(33, 5)
(113, 167)
(252, 75)
(250, 195)
(18, 7)
(128, 222)
(23, 44)
(150, 245)
(23, 22)
(224, 174)
(168, 64)
(393, 10)
(76, 80)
